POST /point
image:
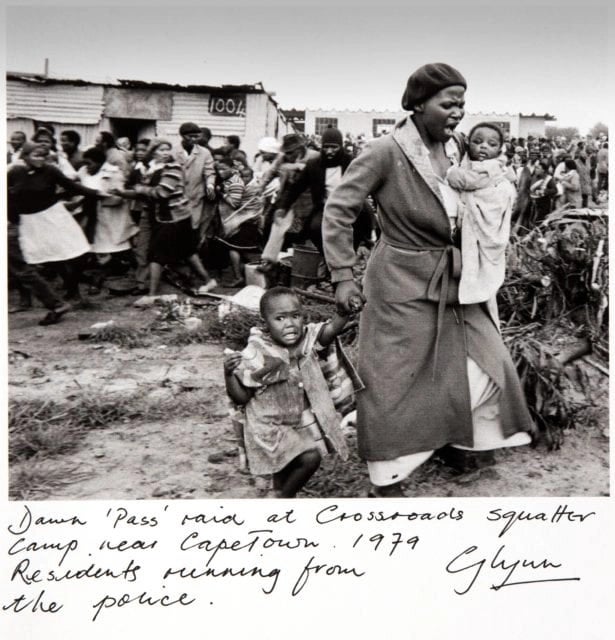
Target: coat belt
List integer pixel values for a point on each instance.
(449, 265)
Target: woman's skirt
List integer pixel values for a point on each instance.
(172, 242)
(486, 427)
(114, 228)
(51, 235)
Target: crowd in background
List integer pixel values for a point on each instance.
(550, 173)
(119, 208)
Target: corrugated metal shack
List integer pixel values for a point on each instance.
(138, 109)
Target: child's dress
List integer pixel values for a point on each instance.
(291, 410)
(488, 198)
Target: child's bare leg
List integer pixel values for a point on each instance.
(237, 267)
(296, 474)
(197, 266)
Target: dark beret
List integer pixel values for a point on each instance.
(189, 127)
(427, 80)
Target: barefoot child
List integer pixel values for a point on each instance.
(488, 198)
(290, 418)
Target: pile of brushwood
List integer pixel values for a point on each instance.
(553, 311)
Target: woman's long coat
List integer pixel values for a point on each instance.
(414, 335)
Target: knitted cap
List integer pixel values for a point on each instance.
(331, 136)
(427, 80)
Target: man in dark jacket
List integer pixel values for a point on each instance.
(321, 175)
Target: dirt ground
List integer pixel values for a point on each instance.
(189, 449)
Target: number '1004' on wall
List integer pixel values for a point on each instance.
(227, 105)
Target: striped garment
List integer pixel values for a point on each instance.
(168, 191)
(230, 198)
(233, 191)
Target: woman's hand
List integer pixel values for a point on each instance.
(231, 362)
(348, 297)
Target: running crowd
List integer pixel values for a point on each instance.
(87, 215)
(114, 208)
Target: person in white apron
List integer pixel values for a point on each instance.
(47, 231)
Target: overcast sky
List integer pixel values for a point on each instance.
(516, 57)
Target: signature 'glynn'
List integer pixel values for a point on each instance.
(521, 571)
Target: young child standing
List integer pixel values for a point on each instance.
(290, 418)
(488, 198)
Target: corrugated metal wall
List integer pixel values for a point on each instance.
(54, 103)
(194, 107)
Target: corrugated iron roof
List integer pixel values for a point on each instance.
(193, 88)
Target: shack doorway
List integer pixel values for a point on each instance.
(133, 129)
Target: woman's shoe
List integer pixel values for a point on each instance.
(388, 491)
(145, 301)
(20, 308)
(206, 288)
(54, 316)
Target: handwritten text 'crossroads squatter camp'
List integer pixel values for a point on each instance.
(169, 556)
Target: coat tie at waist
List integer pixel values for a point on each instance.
(449, 265)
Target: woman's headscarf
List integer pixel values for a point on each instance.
(269, 145)
(155, 143)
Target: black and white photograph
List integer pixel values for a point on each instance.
(329, 261)
(307, 320)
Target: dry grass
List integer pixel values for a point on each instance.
(38, 477)
(40, 432)
(38, 428)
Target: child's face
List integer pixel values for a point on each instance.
(284, 319)
(140, 152)
(224, 171)
(484, 144)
